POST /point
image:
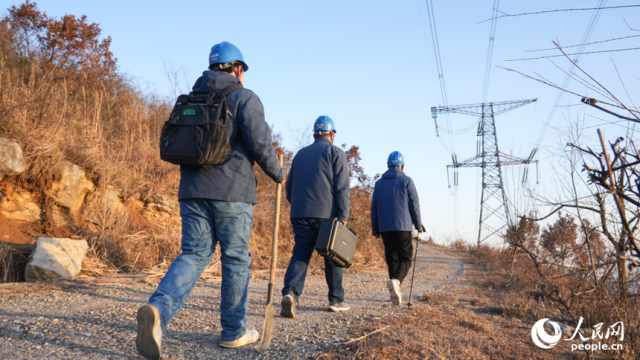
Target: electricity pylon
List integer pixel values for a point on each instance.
(494, 198)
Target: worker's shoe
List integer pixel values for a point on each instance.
(337, 306)
(394, 290)
(249, 338)
(288, 307)
(149, 337)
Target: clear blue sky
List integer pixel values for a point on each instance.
(370, 66)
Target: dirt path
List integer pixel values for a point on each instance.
(97, 321)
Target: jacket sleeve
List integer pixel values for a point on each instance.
(374, 212)
(414, 204)
(287, 185)
(341, 190)
(256, 137)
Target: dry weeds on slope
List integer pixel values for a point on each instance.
(61, 98)
(489, 317)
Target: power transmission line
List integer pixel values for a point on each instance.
(535, 107)
(580, 53)
(591, 43)
(436, 51)
(463, 130)
(598, 8)
(443, 94)
(492, 34)
(585, 39)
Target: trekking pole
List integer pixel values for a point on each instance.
(267, 331)
(414, 269)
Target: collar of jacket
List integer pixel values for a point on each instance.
(322, 139)
(393, 173)
(215, 80)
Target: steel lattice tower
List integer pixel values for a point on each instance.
(493, 203)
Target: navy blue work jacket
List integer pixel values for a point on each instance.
(395, 205)
(234, 180)
(318, 182)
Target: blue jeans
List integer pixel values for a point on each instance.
(305, 232)
(205, 223)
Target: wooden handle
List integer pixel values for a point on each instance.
(276, 227)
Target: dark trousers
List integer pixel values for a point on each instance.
(305, 232)
(398, 250)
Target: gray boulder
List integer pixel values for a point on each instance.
(55, 259)
(20, 206)
(71, 187)
(163, 203)
(104, 207)
(11, 158)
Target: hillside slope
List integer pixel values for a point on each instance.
(92, 171)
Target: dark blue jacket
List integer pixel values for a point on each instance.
(234, 180)
(395, 205)
(318, 183)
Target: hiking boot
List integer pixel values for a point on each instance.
(337, 306)
(288, 307)
(149, 337)
(249, 338)
(394, 290)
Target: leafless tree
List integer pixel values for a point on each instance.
(177, 77)
(590, 253)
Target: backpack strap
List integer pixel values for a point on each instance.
(223, 94)
(209, 96)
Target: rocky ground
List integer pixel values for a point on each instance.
(96, 319)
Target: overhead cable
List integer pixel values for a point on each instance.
(585, 39)
(492, 34)
(597, 8)
(591, 43)
(436, 50)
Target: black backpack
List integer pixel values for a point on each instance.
(196, 133)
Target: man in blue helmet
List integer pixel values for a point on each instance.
(318, 189)
(395, 210)
(216, 206)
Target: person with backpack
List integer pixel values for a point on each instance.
(395, 209)
(317, 189)
(216, 201)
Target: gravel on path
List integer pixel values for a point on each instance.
(97, 320)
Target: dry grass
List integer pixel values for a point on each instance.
(455, 325)
(111, 128)
(94, 267)
(488, 316)
(13, 259)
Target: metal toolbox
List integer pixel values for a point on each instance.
(337, 242)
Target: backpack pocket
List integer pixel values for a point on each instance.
(182, 140)
(220, 145)
(184, 136)
(191, 115)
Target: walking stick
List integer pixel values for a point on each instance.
(414, 269)
(267, 331)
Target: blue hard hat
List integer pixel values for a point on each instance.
(224, 53)
(324, 123)
(395, 159)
